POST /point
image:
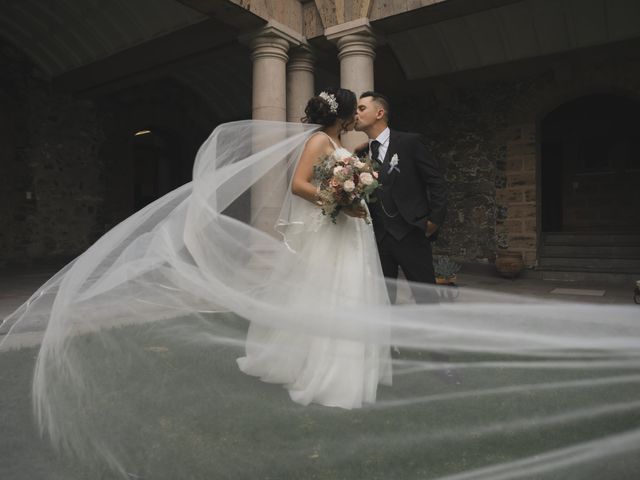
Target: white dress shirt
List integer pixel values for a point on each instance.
(383, 138)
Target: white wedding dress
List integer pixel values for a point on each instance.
(330, 371)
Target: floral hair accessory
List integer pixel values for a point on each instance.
(330, 99)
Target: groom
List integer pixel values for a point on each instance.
(412, 201)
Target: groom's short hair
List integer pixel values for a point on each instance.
(381, 99)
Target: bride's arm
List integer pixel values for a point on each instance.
(301, 185)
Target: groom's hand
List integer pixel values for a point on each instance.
(431, 228)
(357, 212)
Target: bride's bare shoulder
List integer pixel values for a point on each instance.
(318, 144)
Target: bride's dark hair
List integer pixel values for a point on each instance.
(318, 109)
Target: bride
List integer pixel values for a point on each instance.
(321, 369)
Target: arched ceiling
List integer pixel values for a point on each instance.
(223, 80)
(95, 47)
(62, 35)
(525, 29)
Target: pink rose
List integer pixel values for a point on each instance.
(375, 174)
(348, 186)
(366, 178)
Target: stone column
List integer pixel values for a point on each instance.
(300, 82)
(269, 53)
(269, 56)
(356, 52)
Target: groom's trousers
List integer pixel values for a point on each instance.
(413, 254)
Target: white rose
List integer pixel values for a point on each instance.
(337, 170)
(359, 164)
(366, 178)
(348, 186)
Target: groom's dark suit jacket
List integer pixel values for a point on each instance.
(412, 193)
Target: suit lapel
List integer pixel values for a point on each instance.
(387, 156)
(391, 150)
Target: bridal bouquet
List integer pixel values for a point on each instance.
(344, 182)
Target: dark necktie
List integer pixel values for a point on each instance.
(375, 149)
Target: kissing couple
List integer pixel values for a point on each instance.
(409, 209)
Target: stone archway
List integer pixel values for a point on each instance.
(143, 167)
(590, 165)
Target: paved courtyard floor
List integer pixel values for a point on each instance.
(17, 285)
(313, 430)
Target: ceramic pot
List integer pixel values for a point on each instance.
(509, 264)
(446, 280)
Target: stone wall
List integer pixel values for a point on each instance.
(485, 132)
(462, 142)
(66, 163)
(67, 176)
(51, 190)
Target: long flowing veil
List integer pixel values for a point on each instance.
(135, 374)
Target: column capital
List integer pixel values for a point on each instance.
(301, 58)
(353, 38)
(360, 26)
(269, 46)
(356, 44)
(272, 40)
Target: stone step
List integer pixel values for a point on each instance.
(604, 239)
(590, 264)
(590, 277)
(591, 251)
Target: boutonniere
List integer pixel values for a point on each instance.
(393, 164)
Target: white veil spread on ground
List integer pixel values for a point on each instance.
(136, 374)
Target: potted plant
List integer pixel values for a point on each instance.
(445, 270)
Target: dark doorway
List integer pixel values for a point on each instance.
(157, 165)
(590, 166)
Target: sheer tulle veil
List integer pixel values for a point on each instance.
(136, 377)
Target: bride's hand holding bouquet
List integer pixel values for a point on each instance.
(344, 183)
